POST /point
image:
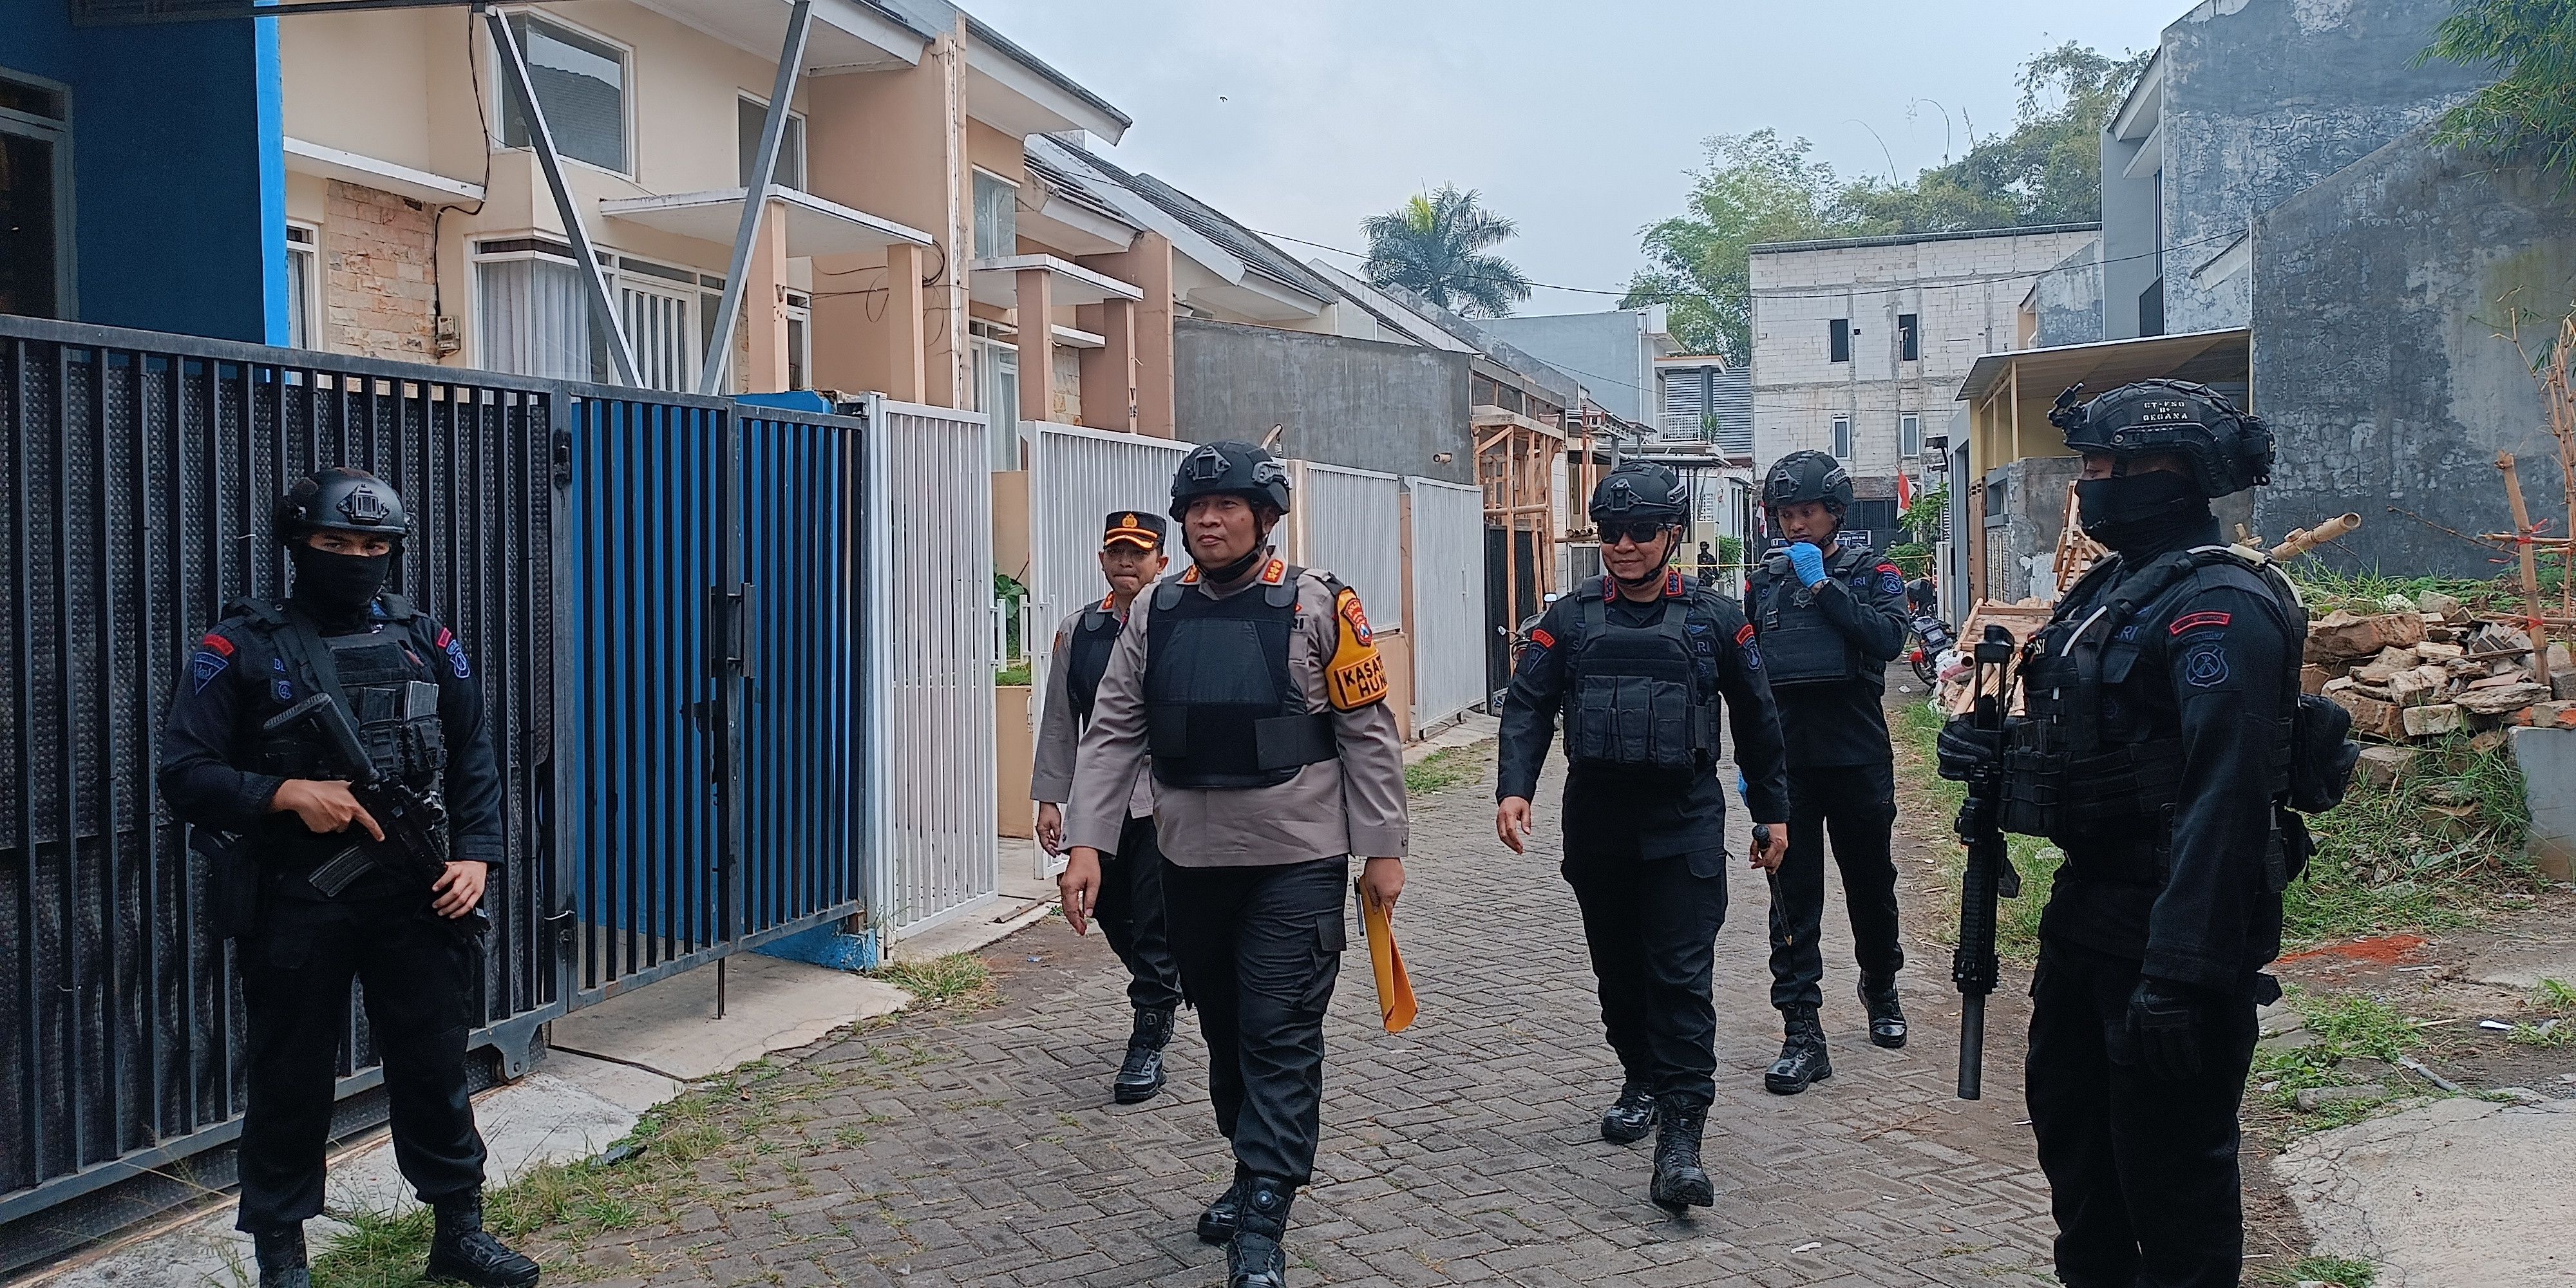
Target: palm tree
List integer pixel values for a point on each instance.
(1433, 246)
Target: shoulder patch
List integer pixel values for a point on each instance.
(1744, 635)
(455, 650)
(1672, 583)
(206, 665)
(1356, 675)
(2199, 621)
(1891, 579)
(1190, 575)
(216, 642)
(1540, 637)
(2206, 666)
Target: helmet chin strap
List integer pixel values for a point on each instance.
(1654, 574)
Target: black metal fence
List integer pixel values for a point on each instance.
(136, 471)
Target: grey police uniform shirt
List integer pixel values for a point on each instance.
(1060, 730)
(1353, 804)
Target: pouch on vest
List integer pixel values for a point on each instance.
(1635, 702)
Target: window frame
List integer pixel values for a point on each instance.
(310, 251)
(526, 246)
(1838, 335)
(796, 135)
(626, 93)
(1842, 444)
(1909, 337)
(1909, 435)
(799, 313)
(58, 133)
(976, 209)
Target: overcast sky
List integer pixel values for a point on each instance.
(1575, 117)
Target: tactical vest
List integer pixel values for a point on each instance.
(1087, 657)
(1800, 645)
(1221, 709)
(2077, 765)
(1638, 701)
(386, 674)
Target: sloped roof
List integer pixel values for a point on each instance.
(1244, 244)
(1070, 186)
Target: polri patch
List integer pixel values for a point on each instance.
(1891, 580)
(455, 650)
(2205, 667)
(217, 643)
(2189, 622)
(1752, 657)
(206, 665)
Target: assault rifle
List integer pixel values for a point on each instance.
(414, 822)
(1989, 872)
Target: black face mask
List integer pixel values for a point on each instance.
(336, 584)
(2132, 510)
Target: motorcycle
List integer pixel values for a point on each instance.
(1932, 638)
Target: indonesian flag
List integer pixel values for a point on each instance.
(1904, 492)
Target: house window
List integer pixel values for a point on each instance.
(580, 81)
(749, 116)
(531, 317)
(35, 199)
(657, 305)
(1838, 340)
(1909, 436)
(997, 393)
(1909, 345)
(1842, 438)
(302, 283)
(997, 216)
(800, 340)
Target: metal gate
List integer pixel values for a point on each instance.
(1447, 545)
(929, 664)
(136, 472)
(1350, 523)
(1077, 476)
(715, 556)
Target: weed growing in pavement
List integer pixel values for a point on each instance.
(1444, 769)
(959, 981)
(2016, 920)
(2340, 1027)
(2555, 1026)
(2332, 1272)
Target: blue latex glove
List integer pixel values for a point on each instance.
(1808, 562)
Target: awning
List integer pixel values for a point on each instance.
(2205, 357)
(814, 226)
(997, 281)
(306, 157)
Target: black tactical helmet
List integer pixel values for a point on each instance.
(2229, 450)
(1640, 490)
(1808, 476)
(340, 499)
(1229, 469)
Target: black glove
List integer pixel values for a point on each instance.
(1965, 750)
(2165, 1020)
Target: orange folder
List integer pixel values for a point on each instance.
(1394, 988)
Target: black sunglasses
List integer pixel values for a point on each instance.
(1639, 531)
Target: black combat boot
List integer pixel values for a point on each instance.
(1141, 1078)
(1802, 1054)
(1886, 1015)
(1629, 1120)
(1254, 1259)
(281, 1259)
(462, 1250)
(1680, 1181)
(1216, 1225)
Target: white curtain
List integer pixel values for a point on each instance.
(533, 319)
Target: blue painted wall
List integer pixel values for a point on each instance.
(178, 172)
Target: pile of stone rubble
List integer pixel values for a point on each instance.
(2428, 667)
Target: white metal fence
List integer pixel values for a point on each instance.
(929, 570)
(1350, 523)
(1448, 635)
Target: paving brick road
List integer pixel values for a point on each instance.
(981, 1148)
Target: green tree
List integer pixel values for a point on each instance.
(1434, 245)
(2530, 114)
(1760, 187)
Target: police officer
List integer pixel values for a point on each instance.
(1256, 689)
(404, 680)
(1638, 661)
(1130, 908)
(2155, 752)
(1831, 615)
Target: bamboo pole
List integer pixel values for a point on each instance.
(2532, 620)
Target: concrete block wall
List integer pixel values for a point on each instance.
(378, 259)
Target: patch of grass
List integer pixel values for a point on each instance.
(2326, 589)
(2386, 862)
(2016, 920)
(2342, 1026)
(1015, 673)
(958, 980)
(2555, 1004)
(2338, 1272)
(1444, 769)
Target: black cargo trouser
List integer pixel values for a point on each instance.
(2142, 1170)
(1131, 917)
(1857, 803)
(413, 969)
(1652, 926)
(1260, 949)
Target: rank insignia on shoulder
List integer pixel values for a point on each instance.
(1275, 572)
(1744, 635)
(1672, 583)
(1190, 575)
(1356, 676)
(216, 642)
(2189, 622)
(1541, 638)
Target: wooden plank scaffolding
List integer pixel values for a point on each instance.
(1516, 462)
